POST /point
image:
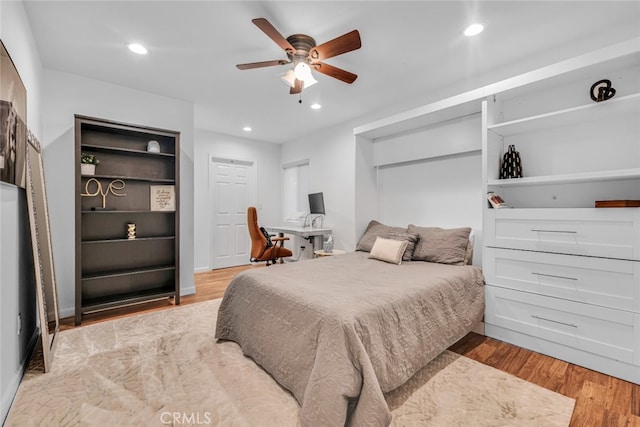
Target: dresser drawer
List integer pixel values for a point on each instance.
(606, 282)
(610, 333)
(611, 233)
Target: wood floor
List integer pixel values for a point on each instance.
(601, 400)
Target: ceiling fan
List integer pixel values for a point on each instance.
(305, 56)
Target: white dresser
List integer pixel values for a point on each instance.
(566, 283)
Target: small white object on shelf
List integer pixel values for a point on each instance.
(153, 147)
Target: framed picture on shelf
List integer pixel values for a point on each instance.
(163, 197)
(496, 201)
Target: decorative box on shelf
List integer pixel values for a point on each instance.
(617, 203)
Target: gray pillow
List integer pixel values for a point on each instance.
(444, 246)
(411, 240)
(375, 229)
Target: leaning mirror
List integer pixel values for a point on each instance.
(47, 297)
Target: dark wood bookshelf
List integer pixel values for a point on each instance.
(130, 178)
(89, 147)
(137, 239)
(111, 269)
(125, 299)
(127, 272)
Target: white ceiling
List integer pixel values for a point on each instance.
(410, 52)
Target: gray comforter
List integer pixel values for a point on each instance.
(340, 331)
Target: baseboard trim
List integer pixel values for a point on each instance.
(66, 312)
(187, 291)
(14, 383)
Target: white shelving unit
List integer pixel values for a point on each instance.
(563, 278)
(574, 151)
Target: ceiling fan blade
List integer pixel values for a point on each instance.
(270, 30)
(262, 64)
(343, 44)
(335, 72)
(297, 87)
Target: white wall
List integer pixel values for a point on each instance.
(453, 136)
(17, 288)
(442, 192)
(67, 94)
(442, 186)
(267, 158)
(331, 157)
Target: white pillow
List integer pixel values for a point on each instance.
(388, 250)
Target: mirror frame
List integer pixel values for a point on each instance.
(46, 292)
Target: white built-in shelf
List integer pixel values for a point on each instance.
(609, 175)
(629, 104)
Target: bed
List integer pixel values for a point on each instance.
(339, 332)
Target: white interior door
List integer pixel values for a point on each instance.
(233, 189)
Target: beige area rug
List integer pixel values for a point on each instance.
(165, 368)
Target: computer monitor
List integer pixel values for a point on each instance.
(316, 203)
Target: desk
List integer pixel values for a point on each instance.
(307, 233)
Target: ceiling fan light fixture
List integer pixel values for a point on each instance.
(309, 82)
(302, 72)
(289, 78)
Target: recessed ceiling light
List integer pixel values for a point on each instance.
(473, 30)
(316, 106)
(247, 129)
(138, 48)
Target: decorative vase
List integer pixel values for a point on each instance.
(131, 231)
(87, 169)
(511, 164)
(153, 147)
